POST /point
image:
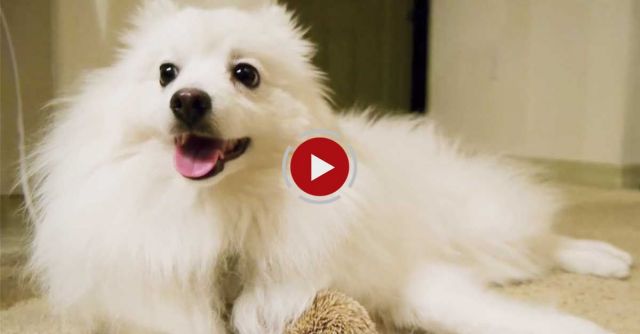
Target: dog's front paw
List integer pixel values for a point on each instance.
(269, 310)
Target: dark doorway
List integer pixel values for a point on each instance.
(419, 65)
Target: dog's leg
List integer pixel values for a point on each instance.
(448, 299)
(593, 257)
(267, 309)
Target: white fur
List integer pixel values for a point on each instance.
(124, 241)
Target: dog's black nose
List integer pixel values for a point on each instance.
(190, 105)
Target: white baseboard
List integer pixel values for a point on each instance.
(590, 173)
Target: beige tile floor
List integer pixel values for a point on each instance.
(611, 215)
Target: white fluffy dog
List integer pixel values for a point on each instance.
(167, 164)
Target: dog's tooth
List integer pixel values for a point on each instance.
(183, 139)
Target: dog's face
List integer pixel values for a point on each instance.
(228, 89)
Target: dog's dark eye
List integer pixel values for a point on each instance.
(168, 73)
(247, 75)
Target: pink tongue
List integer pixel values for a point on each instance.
(195, 163)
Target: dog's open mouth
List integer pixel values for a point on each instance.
(199, 157)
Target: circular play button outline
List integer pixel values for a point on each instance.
(324, 166)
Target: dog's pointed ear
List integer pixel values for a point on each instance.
(151, 10)
(242, 4)
(281, 15)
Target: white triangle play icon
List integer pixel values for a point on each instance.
(319, 167)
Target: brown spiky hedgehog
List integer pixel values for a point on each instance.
(333, 313)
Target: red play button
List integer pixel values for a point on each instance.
(319, 166)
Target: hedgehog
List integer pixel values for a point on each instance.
(331, 313)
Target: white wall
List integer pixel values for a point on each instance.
(79, 43)
(55, 41)
(31, 42)
(632, 121)
(538, 78)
